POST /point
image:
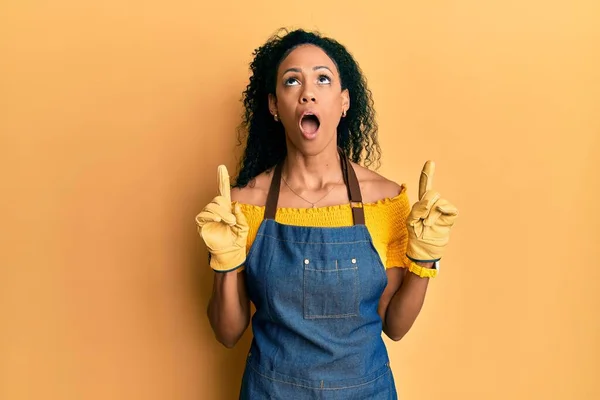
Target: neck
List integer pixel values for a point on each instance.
(312, 172)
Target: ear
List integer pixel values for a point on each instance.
(272, 104)
(345, 100)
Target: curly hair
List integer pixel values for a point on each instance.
(265, 138)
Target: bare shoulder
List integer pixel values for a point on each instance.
(375, 187)
(255, 192)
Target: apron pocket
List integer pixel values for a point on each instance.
(330, 288)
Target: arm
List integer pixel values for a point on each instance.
(402, 301)
(229, 307)
(224, 229)
(428, 229)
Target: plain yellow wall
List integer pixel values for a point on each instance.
(114, 116)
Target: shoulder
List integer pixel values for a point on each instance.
(375, 187)
(255, 192)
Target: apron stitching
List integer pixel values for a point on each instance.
(330, 316)
(332, 270)
(315, 388)
(355, 301)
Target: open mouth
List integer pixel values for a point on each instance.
(309, 124)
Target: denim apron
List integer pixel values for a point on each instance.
(317, 333)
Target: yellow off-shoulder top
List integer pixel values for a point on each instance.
(385, 220)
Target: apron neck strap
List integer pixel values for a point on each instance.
(354, 194)
(273, 196)
(350, 180)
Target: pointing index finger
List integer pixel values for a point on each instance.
(426, 178)
(223, 182)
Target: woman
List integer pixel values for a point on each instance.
(329, 252)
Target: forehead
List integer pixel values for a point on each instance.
(307, 56)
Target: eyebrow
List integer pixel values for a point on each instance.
(314, 69)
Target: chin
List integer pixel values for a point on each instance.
(311, 147)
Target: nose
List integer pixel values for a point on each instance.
(306, 99)
(308, 95)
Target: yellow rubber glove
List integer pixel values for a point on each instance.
(223, 229)
(429, 221)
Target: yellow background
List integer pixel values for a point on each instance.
(114, 116)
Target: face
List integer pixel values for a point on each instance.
(309, 100)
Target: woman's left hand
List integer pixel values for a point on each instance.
(430, 221)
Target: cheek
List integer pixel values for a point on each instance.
(334, 108)
(333, 98)
(286, 101)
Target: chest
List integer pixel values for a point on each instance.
(302, 198)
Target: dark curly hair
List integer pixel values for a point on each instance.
(265, 138)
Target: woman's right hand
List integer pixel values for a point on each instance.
(223, 228)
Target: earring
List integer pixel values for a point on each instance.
(276, 117)
(344, 114)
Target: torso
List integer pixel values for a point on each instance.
(374, 187)
(316, 290)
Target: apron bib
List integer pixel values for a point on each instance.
(317, 334)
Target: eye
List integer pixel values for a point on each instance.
(324, 80)
(291, 82)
